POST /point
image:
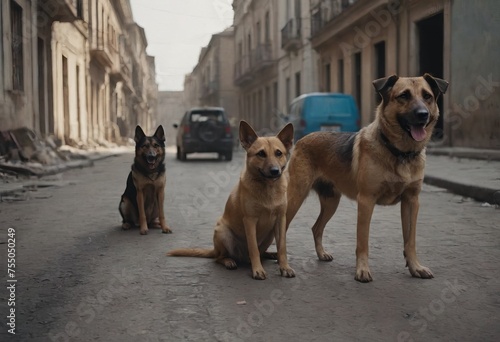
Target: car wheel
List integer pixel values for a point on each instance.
(182, 155)
(178, 153)
(229, 156)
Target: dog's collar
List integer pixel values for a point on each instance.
(402, 156)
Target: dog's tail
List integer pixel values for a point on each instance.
(193, 252)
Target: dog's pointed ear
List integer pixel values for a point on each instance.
(160, 134)
(139, 134)
(286, 136)
(438, 85)
(383, 85)
(247, 135)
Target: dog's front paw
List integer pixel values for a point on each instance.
(144, 231)
(230, 264)
(287, 272)
(419, 271)
(324, 256)
(126, 226)
(259, 274)
(166, 230)
(363, 275)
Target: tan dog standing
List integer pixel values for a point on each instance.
(381, 164)
(255, 212)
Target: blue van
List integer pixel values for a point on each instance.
(323, 112)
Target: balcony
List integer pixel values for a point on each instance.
(243, 71)
(209, 89)
(101, 51)
(63, 10)
(122, 72)
(325, 12)
(258, 61)
(291, 36)
(262, 57)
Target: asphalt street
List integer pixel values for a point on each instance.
(81, 278)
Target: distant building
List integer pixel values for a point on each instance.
(171, 107)
(211, 81)
(76, 70)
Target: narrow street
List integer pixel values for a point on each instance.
(81, 278)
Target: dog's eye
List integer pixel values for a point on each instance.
(261, 153)
(427, 96)
(278, 153)
(156, 145)
(404, 95)
(145, 146)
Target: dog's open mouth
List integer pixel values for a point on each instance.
(151, 162)
(415, 130)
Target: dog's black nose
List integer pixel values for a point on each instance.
(422, 114)
(274, 171)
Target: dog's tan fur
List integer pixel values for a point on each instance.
(255, 212)
(366, 167)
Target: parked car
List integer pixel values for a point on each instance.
(204, 129)
(323, 112)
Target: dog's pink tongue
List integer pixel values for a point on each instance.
(418, 132)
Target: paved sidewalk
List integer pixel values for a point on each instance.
(475, 178)
(82, 159)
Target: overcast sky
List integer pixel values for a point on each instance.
(177, 30)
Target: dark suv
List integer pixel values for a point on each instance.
(204, 129)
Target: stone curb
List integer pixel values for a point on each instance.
(491, 196)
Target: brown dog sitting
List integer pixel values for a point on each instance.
(255, 212)
(381, 164)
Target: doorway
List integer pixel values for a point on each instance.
(430, 58)
(65, 98)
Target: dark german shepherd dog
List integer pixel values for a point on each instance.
(142, 202)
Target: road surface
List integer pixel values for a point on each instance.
(81, 278)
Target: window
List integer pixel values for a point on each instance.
(287, 90)
(275, 95)
(357, 79)
(79, 9)
(340, 78)
(297, 84)
(298, 22)
(16, 22)
(327, 78)
(258, 30)
(267, 28)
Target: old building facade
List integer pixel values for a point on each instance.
(256, 60)
(362, 40)
(297, 60)
(76, 70)
(285, 48)
(211, 81)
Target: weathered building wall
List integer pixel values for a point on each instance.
(18, 98)
(69, 67)
(475, 74)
